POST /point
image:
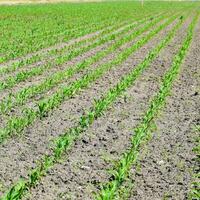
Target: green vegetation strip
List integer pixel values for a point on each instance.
(36, 57)
(66, 141)
(39, 56)
(38, 70)
(62, 58)
(16, 124)
(28, 29)
(81, 29)
(20, 97)
(109, 190)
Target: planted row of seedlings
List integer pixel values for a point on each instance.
(20, 97)
(11, 80)
(17, 124)
(120, 173)
(42, 54)
(76, 32)
(65, 142)
(39, 55)
(21, 43)
(80, 30)
(66, 55)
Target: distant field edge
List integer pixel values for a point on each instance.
(16, 2)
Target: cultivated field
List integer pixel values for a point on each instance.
(100, 101)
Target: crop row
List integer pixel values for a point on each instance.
(80, 30)
(37, 55)
(20, 97)
(20, 42)
(119, 174)
(41, 54)
(38, 70)
(65, 141)
(17, 124)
